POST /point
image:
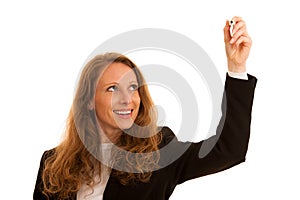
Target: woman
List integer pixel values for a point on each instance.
(111, 148)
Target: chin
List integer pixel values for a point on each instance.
(125, 125)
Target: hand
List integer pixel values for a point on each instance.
(238, 46)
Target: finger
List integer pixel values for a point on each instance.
(227, 36)
(241, 32)
(245, 41)
(239, 25)
(237, 19)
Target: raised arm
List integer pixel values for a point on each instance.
(229, 146)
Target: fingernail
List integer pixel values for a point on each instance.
(231, 41)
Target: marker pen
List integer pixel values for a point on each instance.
(231, 23)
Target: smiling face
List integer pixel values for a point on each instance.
(117, 99)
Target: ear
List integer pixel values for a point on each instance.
(91, 105)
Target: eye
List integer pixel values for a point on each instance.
(112, 88)
(133, 87)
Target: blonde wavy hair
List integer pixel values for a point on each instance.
(75, 160)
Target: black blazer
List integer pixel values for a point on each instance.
(231, 143)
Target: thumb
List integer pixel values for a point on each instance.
(227, 36)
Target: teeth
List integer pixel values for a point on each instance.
(119, 112)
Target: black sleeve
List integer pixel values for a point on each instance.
(229, 146)
(37, 194)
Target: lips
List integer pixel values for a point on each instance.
(123, 112)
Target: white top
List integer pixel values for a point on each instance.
(86, 193)
(239, 75)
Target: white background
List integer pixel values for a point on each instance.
(43, 45)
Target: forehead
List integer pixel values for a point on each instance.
(117, 72)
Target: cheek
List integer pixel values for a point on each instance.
(136, 99)
(103, 102)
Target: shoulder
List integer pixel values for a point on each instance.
(167, 135)
(47, 154)
(38, 194)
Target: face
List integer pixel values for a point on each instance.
(117, 99)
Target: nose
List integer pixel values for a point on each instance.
(125, 98)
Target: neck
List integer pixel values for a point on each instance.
(110, 136)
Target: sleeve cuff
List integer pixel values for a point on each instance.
(241, 75)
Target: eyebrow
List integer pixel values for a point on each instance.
(112, 83)
(116, 83)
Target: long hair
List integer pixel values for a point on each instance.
(75, 160)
